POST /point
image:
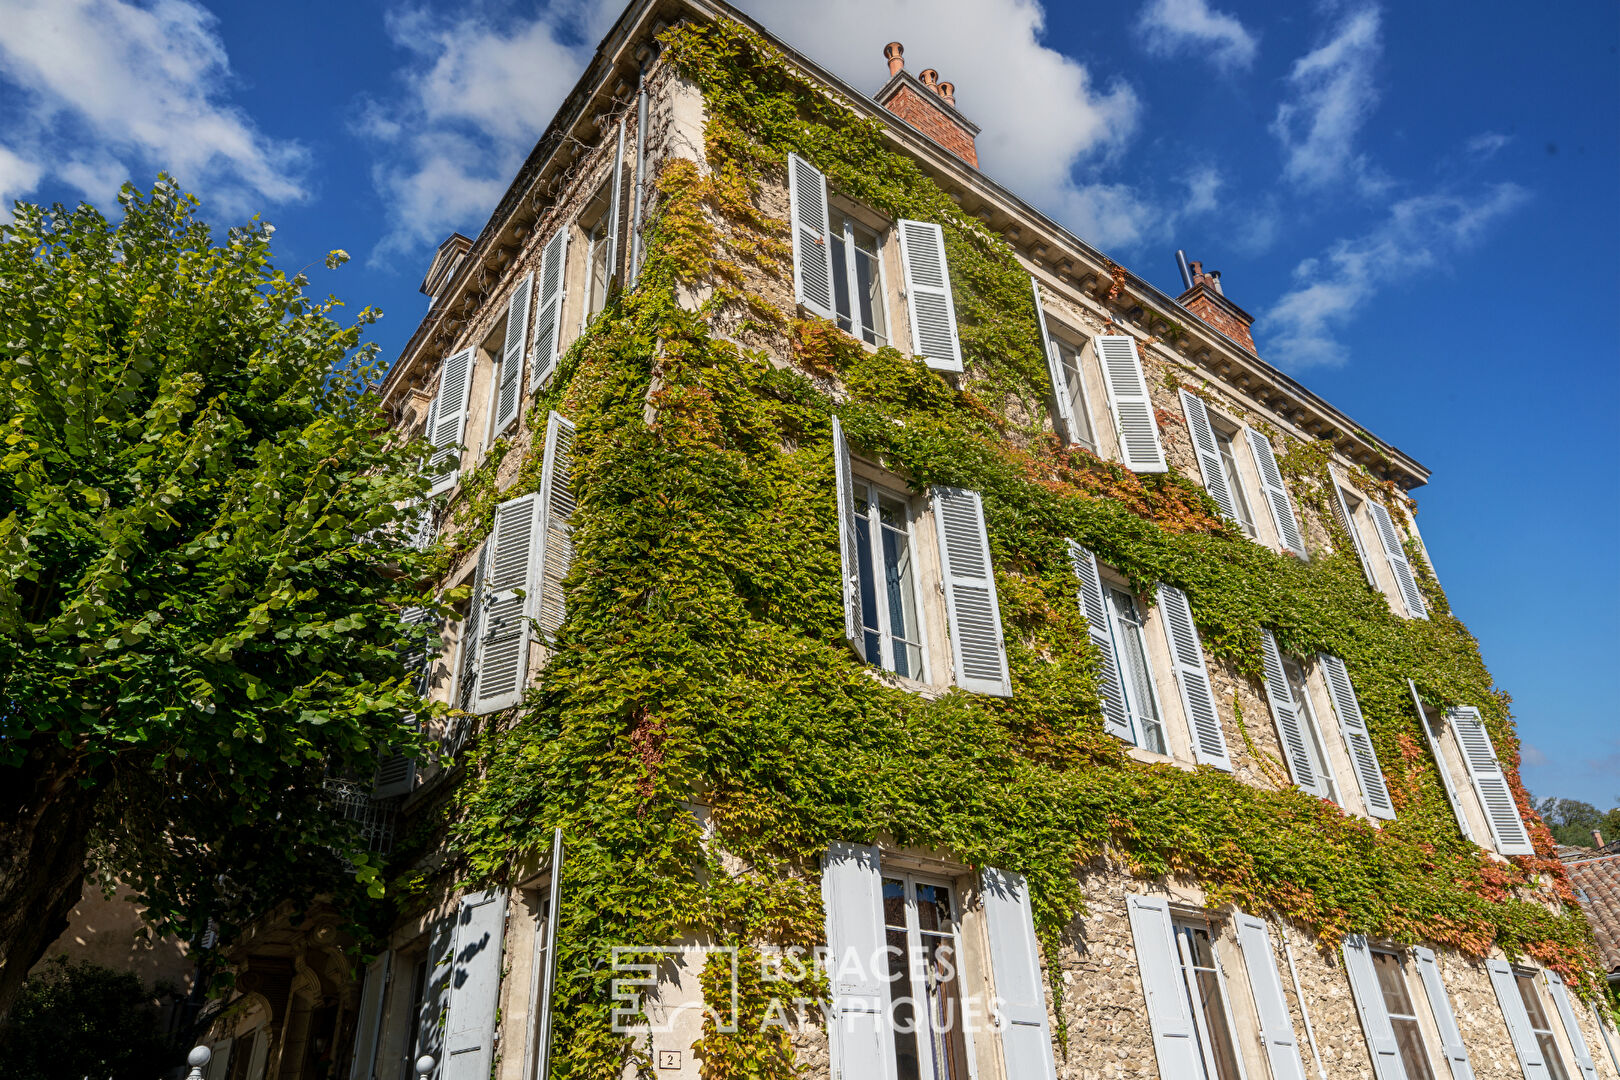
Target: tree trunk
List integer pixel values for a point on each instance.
(45, 818)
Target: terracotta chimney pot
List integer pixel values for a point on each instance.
(948, 92)
(1597, 837)
(929, 78)
(895, 54)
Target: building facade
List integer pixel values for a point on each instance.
(1146, 746)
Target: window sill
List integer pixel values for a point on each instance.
(927, 691)
(1148, 757)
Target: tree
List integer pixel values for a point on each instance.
(73, 1020)
(1572, 821)
(202, 561)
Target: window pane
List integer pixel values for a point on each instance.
(599, 270)
(894, 903)
(903, 1012)
(869, 592)
(900, 589)
(1392, 983)
(944, 1008)
(1409, 1040)
(1532, 1001)
(1234, 482)
(835, 242)
(1549, 1054)
(1077, 394)
(933, 907)
(1194, 946)
(1137, 675)
(868, 284)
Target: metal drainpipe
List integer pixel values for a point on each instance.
(633, 271)
(1299, 995)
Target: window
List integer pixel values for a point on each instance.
(890, 621)
(599, 224)
(1074, 379)
(1312, 731)
(1206, 991)
(1234, 479)
(858, 297)
(1402, 1014)
(419, 1000)
(919, 926)
(1136, 675)
(1540, 1025)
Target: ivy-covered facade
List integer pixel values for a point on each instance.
(880, 637)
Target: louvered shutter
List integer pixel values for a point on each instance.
(1208, 452)
(1271, 479)
(977, 647)
(1064, 417)
(1440, 763)
(848, 540)
(1192, 676)
(503, 646)
(1374, 792)
(928, 295)
(1445, 1020)
(219, 1063)
(1175, 1040)
(1490, 784)
(548, 309)
(510, 394)
(1026, 1040)
(368, 1020)
(1347, 521)
(471, 631)
(812, 254)
(1276, 1026)
(441, 971)
(852, 893)
(475, 986)
(1505, 983)
(1396, 556)
(547, 604)
(1130, 403)
(1577, 1041)
(450, 420)
(1375, 1025)
(1291, 721)
(1094, 605)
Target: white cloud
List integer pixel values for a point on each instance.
(1189, 27)
(18, 177)
(1487, 143)
(1203, 190)
(108, 80)
(1333, 95)
(1419, 234)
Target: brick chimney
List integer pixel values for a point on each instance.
(1597, 838)
(1205, 299)
(928, 105)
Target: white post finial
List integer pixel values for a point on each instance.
(197, 1059)
(424, 1066)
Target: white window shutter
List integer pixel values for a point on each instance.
(852, 893)
(472, 630)
(1577, 1041)
(1026, 1040)
(1505, 983)
(1175, 1039)
(503, 642)
(812, 256)
(1290, 719)
(475, 987)
(368, 1020)
(1347, 521)
(1375, 1025)
(1445, 1019)
(219, 1064)
(450, 420)
(547, 604)
(549, 309)
(509, 395)
(977, 647)
(1271, 479)
(1374, 791)
(441, 970)
(1490, 784)
(1440, 763)
(1131, 404)
(1396, 555)
(1192, 676)
(1063, 419)
(848, 540)
(1208, 452)
(1276, 1026)
(928, 295)
(1094, 605)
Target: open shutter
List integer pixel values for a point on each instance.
(1440, 763)
(471, 631)
(1445, 1020)
(1197, 696)
(1375, 1025)
(812, 255)
(1175, 1040)
(1208, 452)
(436, 995)
(1495, 798)
(548, 310)
(1357, 738)
(1026, 1041)
(450, 420)
(1094, 605)
(1506, 985)
(475, 986)
(977, 647)
(1276, 1026)
(1271, 479)
(1347, 522)
(1577, 1041)
(545, 986)
(1290, 718)
(510, 394)
(1396, 555)
(258, 1054)
(928, 295)
(852, 893)
(1129, 401)
(848, 541)
(615, 249)
(368, 1020)
(503, 646)
(219, 1063)
(547, 604)
(1064, 417)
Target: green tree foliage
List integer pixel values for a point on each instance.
(1572, 821)
(202, 558)
(73, 1020)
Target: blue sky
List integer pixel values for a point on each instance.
(1417, 201)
